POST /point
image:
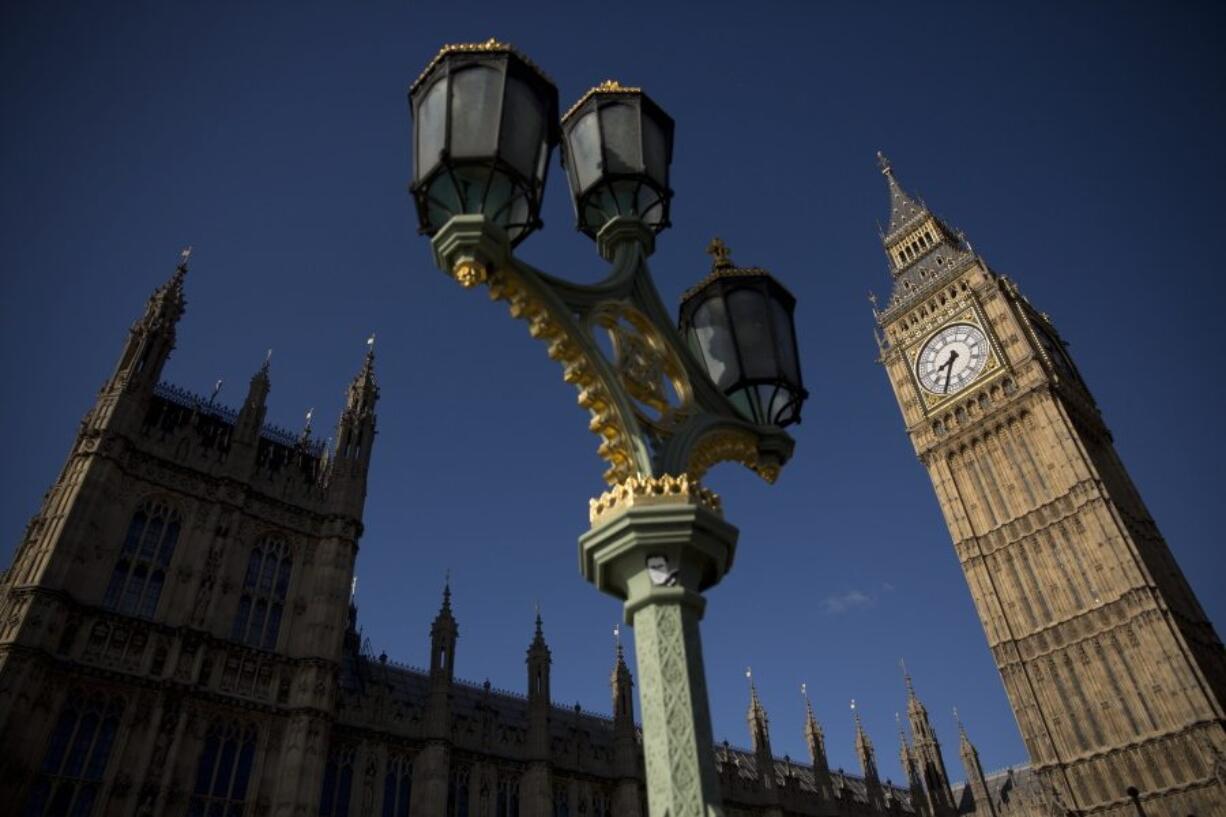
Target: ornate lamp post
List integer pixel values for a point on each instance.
(667, 404)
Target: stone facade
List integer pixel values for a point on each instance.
(1115, 674)
(177, 637)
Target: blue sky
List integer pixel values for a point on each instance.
(1078, 145)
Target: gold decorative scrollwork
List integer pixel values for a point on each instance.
(648, 368)
(615, 446)
(729, 445)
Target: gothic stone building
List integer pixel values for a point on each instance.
(177, 637)
(1115, 675)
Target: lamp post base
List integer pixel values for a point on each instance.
(657, 554)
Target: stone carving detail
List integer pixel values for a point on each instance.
(671, 748)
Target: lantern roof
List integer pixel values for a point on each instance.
(490, 46)
(723, 267)
(608, 87)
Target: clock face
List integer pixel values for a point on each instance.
(952, 359)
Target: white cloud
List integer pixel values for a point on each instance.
(842, 602)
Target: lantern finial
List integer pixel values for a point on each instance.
(719, 251)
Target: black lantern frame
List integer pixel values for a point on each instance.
(617, 145)
(738, 323)
(484, 125)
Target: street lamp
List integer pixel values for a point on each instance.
(666, 403)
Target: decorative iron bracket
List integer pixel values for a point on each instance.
(651, 403)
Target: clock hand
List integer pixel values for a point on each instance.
(949, 366)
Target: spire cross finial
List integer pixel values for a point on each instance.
(958, 720)
(884, 163)
(184, 255)
(216, 390)
(718, 250)
(370, 344)
(307, 428)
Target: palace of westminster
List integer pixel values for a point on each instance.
(177, 632)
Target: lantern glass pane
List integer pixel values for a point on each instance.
(650, 208)
(715, 348)
(741, 401)
(784, 349)
(620, 125)
(751, 321)
(498, 199)
(431, 128)
(523, 126)
(476, 106)
(585, 150)
(518, 214)
(655, 152)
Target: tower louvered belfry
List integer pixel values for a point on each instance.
(1115, 675)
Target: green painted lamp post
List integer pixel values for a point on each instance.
(667, 402)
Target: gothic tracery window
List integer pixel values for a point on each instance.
(561, 800)
(338, 783)
(136, 582)
(262, 602)
(223, 770)
(457, 792)
(397, 786)
(507, 802)
(71, 773)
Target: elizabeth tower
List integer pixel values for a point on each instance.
(1116, 677)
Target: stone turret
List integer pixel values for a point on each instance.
(868, 763)
(355, 435)
(816, 740)
(625, 744)
(245, 438)
(928, 755)
(911, 772)
(536, 789)
(539, 662)
(433, 764)
(982, 799)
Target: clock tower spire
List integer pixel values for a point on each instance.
(1115, 675)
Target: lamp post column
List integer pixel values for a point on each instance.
(657, 543)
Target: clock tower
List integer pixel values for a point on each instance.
(1116, 677)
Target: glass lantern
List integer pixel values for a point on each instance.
(616, 148)
(484, 123)
(738, 323)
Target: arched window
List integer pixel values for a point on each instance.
(223, 770)
(561, 799)
(136, 582)
(398, 786)
(73, 766)
(457, 792)
(263, 599)
(338, 783)
(508, 795)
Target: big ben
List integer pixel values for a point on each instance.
(1115, 675)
